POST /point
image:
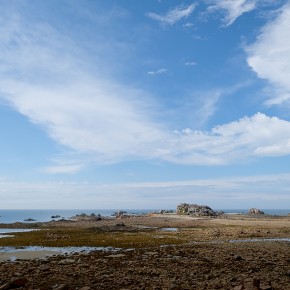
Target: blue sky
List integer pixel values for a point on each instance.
(126, 104)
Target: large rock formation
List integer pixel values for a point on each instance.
(195, 210)
(255, 211)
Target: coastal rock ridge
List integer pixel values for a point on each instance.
(195, 210)
(255, 211)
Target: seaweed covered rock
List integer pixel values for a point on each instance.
(195, 210)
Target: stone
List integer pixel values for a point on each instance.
(86, 288)
(120, 225)
(265, 286)
(60, 287)
(66, 261)
(239, 287)
(5, 286)
(238, 258)
(44, 267)
(251, 283)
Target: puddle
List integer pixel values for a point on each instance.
(63, 250)
(260, 240)
(8, 231)
(156, 228)
(6, 236)
(169, 229)
(3, 232)
(34, 252)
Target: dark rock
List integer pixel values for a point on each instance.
(238, 258)
(265, 286)
(55, 216)
(18, 283)
(29, 220)
(251, 282)
(44, 267)
(165, 211)
(5, 287)
(87, 217)
(120, 225)
(119, 213)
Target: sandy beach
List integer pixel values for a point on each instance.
(154, 251)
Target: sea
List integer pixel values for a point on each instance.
(45, 215)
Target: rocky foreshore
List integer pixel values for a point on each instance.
(198, 254)
(204, 266)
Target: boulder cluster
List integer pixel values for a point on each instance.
(87, 217)
(195, 210)
(255, 211)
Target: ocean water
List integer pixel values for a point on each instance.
(279, 212)
(44, 215)
(39, 215)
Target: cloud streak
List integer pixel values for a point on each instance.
(232, 9)
(173, 15)
(157, 72)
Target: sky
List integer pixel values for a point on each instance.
(144, 104)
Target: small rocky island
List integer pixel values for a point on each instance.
(195, 210)
(255, 211)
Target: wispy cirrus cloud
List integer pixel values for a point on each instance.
(190, 63)
(172, 16)
(232, 9)
(157, 72)
(269, 57)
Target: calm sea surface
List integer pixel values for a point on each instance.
(10, 216)
(44, 215)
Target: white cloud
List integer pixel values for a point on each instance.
(269, 56)
(243, 139)
(44, 77)
(232, 9)
(157, 72)
(264, 191)
(190, 63)
(64, 169)
(173, 15)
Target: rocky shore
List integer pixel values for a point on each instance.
(198, 254)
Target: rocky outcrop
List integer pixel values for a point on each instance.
(87, 217)
(30, 220)
(166, 211)
(255, 211)
(119, 213)
(195, 210)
